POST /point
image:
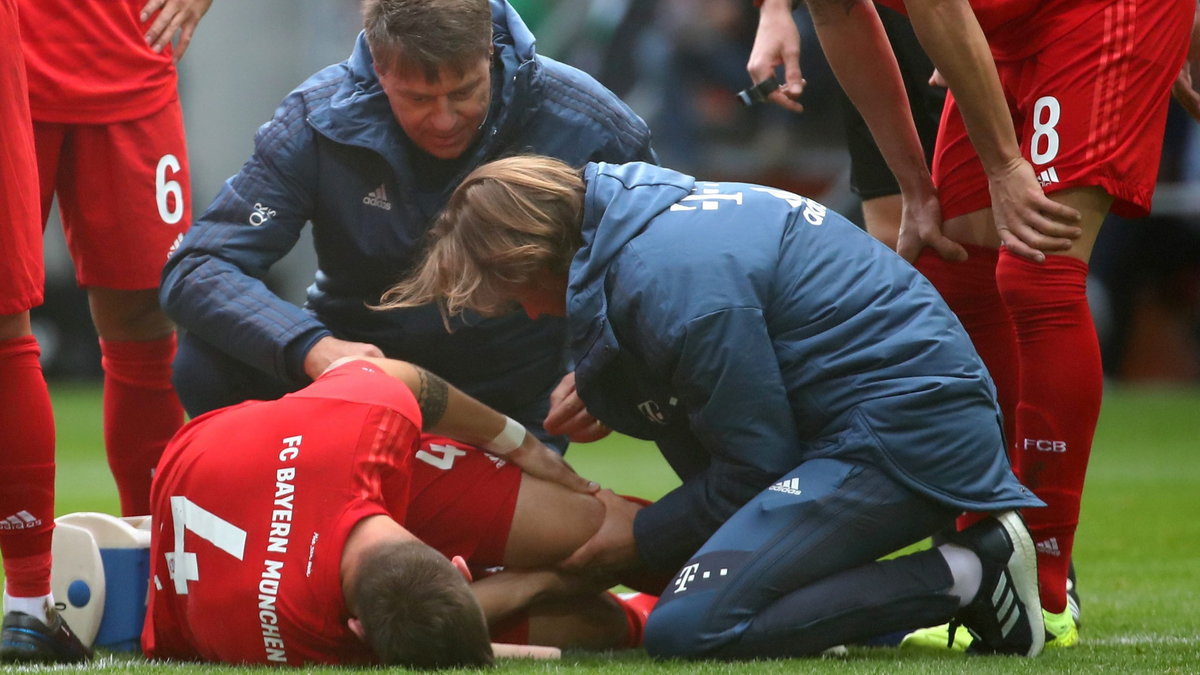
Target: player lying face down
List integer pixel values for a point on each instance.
(289, 531)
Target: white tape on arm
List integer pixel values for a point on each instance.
(509, 439)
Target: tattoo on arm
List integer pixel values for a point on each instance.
(433, 397)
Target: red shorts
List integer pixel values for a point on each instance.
(1090, 107)
(21, 273)
(462, 501)
(124, 193)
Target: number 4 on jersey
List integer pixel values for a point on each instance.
(209, 527)
(444, 459)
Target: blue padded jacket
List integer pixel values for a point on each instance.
(746, 330)
(334, 155)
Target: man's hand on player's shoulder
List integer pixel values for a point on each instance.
(329, 349)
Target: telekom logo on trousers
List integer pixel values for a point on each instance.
(1042, 445)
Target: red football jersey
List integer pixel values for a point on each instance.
(252, 505)
(462, 501)
(88, 61)
(1017, 28)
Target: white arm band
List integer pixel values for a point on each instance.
(509, 439)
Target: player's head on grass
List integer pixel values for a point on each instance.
(415, 609)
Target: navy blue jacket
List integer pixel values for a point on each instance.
(333, 154)
(746, 330)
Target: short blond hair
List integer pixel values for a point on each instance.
(509, 222)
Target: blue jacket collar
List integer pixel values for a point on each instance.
(619, 202)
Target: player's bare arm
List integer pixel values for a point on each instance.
(857, 49)
(465, 419)
(512, 591)
(433, 397)
(1027, 221)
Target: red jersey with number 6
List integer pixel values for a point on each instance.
(88, 61)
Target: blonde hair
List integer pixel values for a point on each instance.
(508, 223)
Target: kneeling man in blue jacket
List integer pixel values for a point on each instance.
(817, 398)
(368, 151)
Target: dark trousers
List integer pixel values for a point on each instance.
(795, 571)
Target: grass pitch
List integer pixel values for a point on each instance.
(1137, 553)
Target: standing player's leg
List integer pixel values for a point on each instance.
(1093, 117)
(124, 196)
(969, 287)
(989, 299)
(870, 177)
(1060, 382)
(141, 410)
(32, 629)
(1090, 111)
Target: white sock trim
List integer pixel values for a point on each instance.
(35, 607)
(966, 569)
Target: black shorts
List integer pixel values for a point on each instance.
(869, 174)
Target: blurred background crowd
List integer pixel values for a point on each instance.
(678, 63)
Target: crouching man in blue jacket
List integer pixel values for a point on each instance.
(818, 399)
(368, 151)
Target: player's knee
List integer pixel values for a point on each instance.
(128, 315)
(1059, 282)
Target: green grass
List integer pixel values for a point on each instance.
(1138, 550)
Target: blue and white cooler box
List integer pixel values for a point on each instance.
(101, 569)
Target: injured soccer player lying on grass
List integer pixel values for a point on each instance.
(320, 528)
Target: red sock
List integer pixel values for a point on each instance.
(637, 608)
(1061, 387)
(970, 289)
(26, 469)
(141, 413)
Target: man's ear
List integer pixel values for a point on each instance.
(356, 627)
(461, 566)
